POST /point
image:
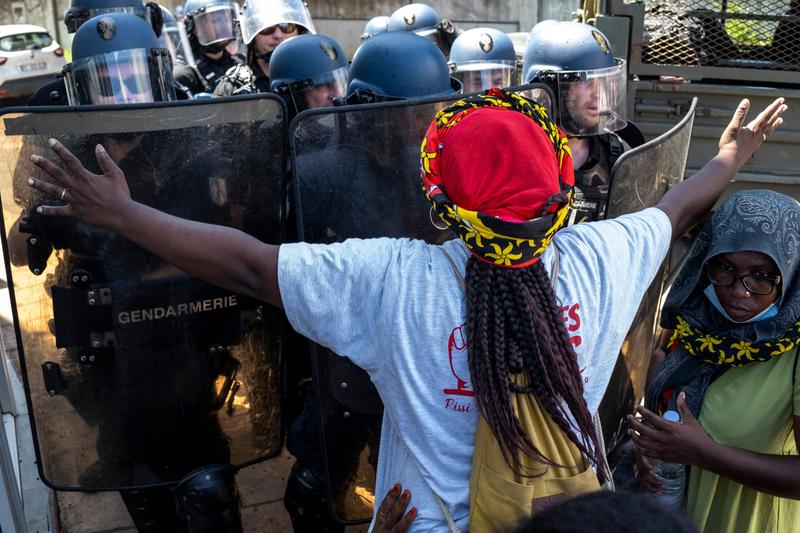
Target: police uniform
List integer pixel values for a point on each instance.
(592, 178)
(152, 396)
(242, 79)
(206, 74)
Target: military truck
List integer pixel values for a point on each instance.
(719, 51)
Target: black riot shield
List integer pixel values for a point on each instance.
(639, 179)
(356, 174)
(135, 372)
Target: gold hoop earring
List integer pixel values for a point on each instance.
(435, 225)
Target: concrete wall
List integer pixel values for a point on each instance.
(344, 19)
(341, 19)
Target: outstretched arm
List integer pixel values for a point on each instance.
(687, 203)
(220, 255)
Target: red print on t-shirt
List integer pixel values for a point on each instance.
(459, 365)
(573, 321)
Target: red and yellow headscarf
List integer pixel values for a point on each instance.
(499, 173)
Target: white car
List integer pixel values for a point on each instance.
(29, 59)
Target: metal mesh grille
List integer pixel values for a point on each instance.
(759, 34)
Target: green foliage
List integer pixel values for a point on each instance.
(747, 32)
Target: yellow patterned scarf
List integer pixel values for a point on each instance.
(500, 241)
(730, 351)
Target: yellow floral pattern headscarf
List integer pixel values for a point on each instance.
(498, 241)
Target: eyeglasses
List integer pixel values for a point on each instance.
(754, 283)
(285, 28)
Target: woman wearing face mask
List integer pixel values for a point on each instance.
(731, 371)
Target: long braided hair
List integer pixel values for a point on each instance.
(515, 327)
(517, 340)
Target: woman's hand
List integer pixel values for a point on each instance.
(741, 141)
(392, 516)
(685, 442)
(643, 470)
(98, 199)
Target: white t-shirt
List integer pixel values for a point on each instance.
(395, 307)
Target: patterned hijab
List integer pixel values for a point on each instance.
(499, 173)
(758, 220)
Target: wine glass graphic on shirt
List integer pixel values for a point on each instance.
(459, 365)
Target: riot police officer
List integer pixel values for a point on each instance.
(159, 433)
(308, 72)
(210, 25)
(482, 58)
(79, 12)
(374, 26)
(264, 25)
(423, 20)
(99, 74)
(588, 85)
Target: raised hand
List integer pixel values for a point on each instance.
(742, 141)
(98, 199)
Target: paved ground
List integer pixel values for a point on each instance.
(261, 488)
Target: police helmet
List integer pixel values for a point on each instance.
(482, 58)
(576, 62)
(259, 15)
(418, 18)
(211, 22)
(374, 26)
(117, 59)
(308, 71)
(82, 10)
(397, 66)
(423, 20)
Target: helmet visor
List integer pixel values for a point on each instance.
(435, 36)
(320, 90)
(171, 40)
(480, 76)
(592, 102)
(124, 77)
(214, 25)
(258, 16)
(541, 97)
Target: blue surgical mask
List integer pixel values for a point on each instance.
(770, 312)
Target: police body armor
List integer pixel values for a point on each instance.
(137, 374)
(204, 75)
(592, 179)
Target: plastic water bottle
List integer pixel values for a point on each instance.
(672, 475)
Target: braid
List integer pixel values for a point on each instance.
(516, 329)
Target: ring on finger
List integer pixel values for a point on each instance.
(64, 192)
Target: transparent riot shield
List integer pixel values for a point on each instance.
(135, 372)
(356, 174)
(639, 179)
